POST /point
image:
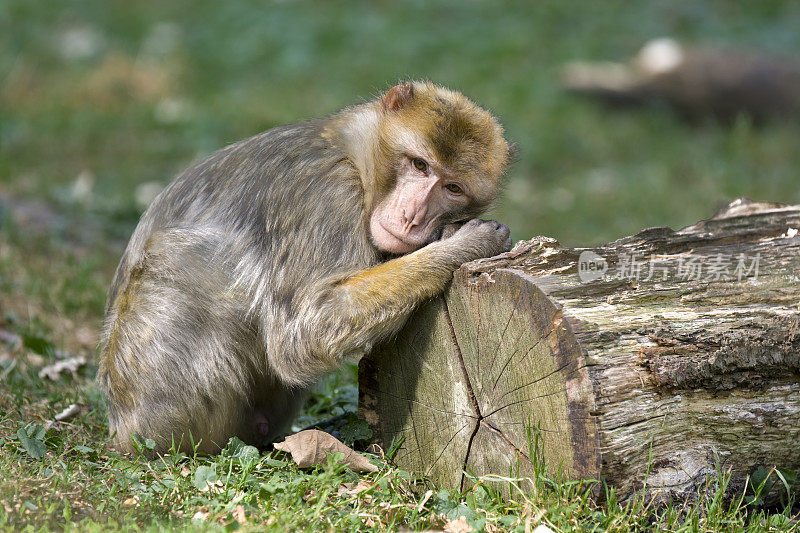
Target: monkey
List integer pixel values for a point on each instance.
(277, 258)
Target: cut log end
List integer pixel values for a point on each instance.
(456, 384)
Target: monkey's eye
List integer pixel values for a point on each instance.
(419, 164)
(453, 188)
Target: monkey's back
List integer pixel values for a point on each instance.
(268, 188)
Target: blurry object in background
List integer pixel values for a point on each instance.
(120, 79)
(696, 81)
(69, 366)
(81, 189)
(79, 43)
(146, 192)
(172, 111)
(33, 214)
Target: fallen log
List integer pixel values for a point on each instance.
(697, 81)
(655, 361)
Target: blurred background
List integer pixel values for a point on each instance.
(103, 102)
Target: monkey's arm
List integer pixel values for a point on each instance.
(345, 318)
(401, 283)
(406, 280)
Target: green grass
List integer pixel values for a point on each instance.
(97, 98)
(68, 478)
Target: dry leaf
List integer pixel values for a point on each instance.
(70, 365)
(131, 501)
(68, 413)
(541, 528)
(458, 526)
(361, 486)
(347, 489)
(311, 447)
(344, 489)
(201, 515)
(63, 416)
(214, 487)
(239, 515)
(375, 449)
(424, 500)
(34, 359)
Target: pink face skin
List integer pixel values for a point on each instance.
(409, 216)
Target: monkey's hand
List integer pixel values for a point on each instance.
(480, 238)
(450, 230)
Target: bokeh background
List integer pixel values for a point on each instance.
(103, 101)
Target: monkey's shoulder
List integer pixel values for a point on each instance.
(304, 144)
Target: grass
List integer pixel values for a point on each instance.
(98, 98)
(69, 479)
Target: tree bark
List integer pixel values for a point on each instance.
(655, 361)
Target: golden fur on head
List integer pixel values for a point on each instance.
(455, 132)
(435, 123)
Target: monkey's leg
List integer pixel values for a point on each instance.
(179, 361)
(275, 407)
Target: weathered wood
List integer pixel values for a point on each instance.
(688, 366)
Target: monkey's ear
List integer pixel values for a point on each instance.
(398, 97)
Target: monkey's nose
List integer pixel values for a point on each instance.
(407, 220)
(419, 216)
(413, 217)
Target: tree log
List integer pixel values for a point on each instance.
(652, 362)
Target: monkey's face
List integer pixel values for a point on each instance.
(425, 197)
(442, 159)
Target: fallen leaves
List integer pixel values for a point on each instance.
(239, 514)
(347, 489)
(201, 515)
(458, 526)
(311, 447)
(68, 413)
(64, 416)
(70, 365)
(424, 500)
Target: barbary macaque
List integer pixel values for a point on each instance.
(273, 260)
